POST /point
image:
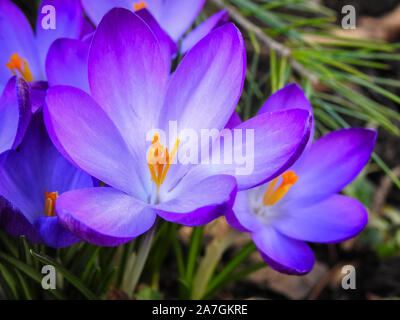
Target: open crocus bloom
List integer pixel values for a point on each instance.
(15, 113)
(107, 134)
(30, 181)
(23, 53)
(302, 204)
(174, 16)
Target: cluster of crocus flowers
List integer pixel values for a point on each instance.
(110, 88)
(131, 93)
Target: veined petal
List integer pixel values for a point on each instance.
(207, 84)
(196, 202)
(68, 18)
(335, 219)
(289, 97)
(177, 16)
(279, 139)
(16, 37)
(167, 45)
(128, 77)
(104, 216)
(204, 90)
(15, 113)
(53, 234)
(282, 253)
(90, 138)
(127, 73)
(203, 29)
(67, 63)
(332, 163)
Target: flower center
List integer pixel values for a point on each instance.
(139, 5)
(273, 194)
(50, 204)
(159, 160)
(21, 65)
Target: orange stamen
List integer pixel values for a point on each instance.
(21, 65)
(50, 203)
(159, 160)
(273, 195)
(139, 5)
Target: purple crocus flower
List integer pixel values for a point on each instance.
(15, 113)
(174, 16)
(106, 133)
(23, 52)
(30, 182)
(302, 205)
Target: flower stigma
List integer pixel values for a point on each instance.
(21, 65)
(273, 194)
(50, 204)
(139, 5)
(159, 160)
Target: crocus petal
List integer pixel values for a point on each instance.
(53, 234)
(177, 16)
(13, 222)
(234, 121)
(68, 18)
(16, 37)
(207, 84)
(289, 97)
(332, 163)
(104, 216)
(167, 45)
(127, 74)
(241, 218)
(203, 29)
(15, 113)
(283, 253)
(90, 138)
(128, 77)
(67, 63)
(279, 139)
(335, 219)
(194, 203)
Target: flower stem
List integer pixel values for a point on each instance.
(141, 258)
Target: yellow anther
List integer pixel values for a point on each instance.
(159, 160)
(21, 65)
(273, 195)
(139, 5)
(50, 204)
